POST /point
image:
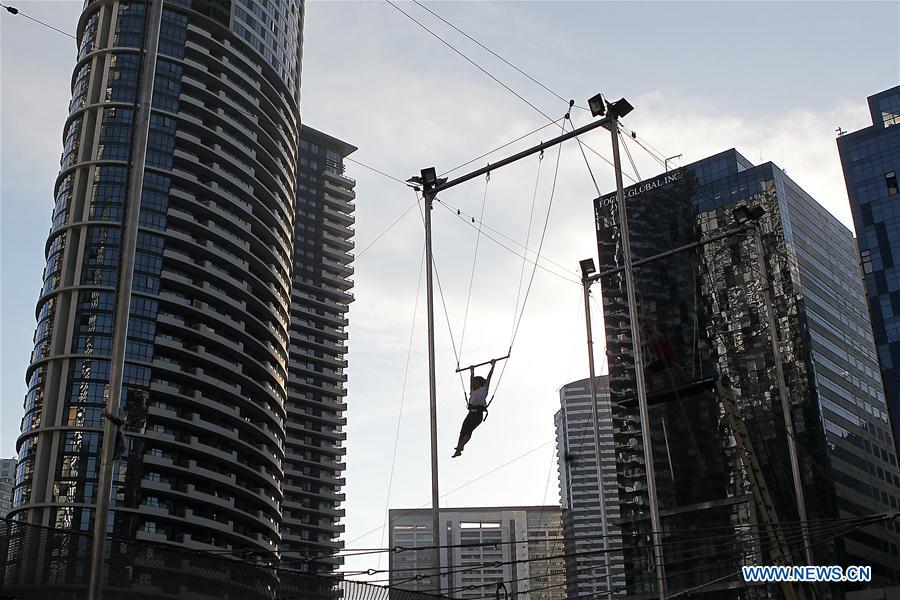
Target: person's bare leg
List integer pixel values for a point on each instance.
(461, 444)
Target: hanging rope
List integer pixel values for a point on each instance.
(515, 332)
(537, 179)
(437, 278)
(446, 313)
(628, 153)
(412, 330)
(462, 337)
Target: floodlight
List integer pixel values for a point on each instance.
(597, 105)
(621, 107)
(429, 176)
(587, 267)
(742, 214)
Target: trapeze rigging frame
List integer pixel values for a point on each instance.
(430, 185)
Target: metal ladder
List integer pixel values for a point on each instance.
(765, 508)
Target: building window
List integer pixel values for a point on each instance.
(866, 259)
(890, 179)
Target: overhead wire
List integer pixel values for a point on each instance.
(15, 11)
(653, 152)
(714, 532)
(630, 159)
(515, 332)
(755, 532)
(825, 530)
(373, 169)
(472, 221)
(472, 62)
(412, 329)
(494, 78)
(459, 487)
(511, 250)
(520, 71)
(437, 278)
(830, 533)
(466, 218)
(501, 147)
(389, 227)
(837, 532)
(462, 339)
(788, 533)
(537, 180)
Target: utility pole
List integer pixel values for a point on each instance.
(429, 179)
(782, 391)
(587, 268)
(112, 418)
(633, 316)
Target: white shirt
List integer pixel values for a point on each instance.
(478, 398)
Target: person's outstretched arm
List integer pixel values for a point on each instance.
(487, 383)
(471, 378)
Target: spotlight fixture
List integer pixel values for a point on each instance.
(587, 267)
(742, 214)
(620, 107)
(597, 105)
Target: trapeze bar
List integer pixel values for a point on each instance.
(487, 362)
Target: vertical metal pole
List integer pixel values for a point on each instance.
(432, 394)
(633, 316)
(782, 392)
(127, 253)
(586, 282)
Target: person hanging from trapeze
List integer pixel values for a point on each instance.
(477, 403)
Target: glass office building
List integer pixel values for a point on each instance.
(233, 394)
(703, 322)
(871, 161)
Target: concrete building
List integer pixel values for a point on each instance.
(704, 320)
(320, 298)
(519, 546)
(871, 161)
(233, 397)
(7, 476)
(582, 511)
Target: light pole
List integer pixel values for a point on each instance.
(617, 109)
(588, 269)
(429, 181)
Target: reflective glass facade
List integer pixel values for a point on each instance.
(205, 398)
(871, 161)
(703, 318)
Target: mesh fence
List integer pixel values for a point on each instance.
(40, 563)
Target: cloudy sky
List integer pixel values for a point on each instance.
(772, 79)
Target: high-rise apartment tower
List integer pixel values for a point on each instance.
(585, 547)
(232, 402)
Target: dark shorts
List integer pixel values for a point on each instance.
(473, 420)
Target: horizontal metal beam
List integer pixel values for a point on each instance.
(673, 251)
(523, 154)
